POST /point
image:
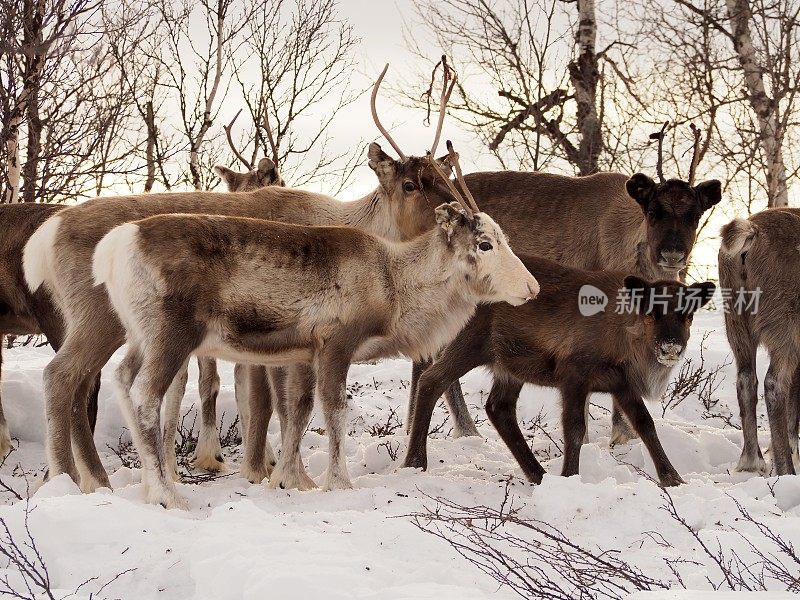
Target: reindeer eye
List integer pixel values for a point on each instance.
(409, 186)
(484, 246)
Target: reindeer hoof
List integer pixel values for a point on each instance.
(752, 464)
(255, 474)
(212, 464)
(620, 435)
(291, 479)
(671, 480)
(168, 499)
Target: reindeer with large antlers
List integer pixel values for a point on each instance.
(58, 256)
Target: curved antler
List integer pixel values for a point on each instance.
(448, 72)
(271, 139)
(470, 199)
(380, 127)
(659, 135)
(695, 153)
(228, 135)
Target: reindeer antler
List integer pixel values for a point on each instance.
(460, 178)
(659, 135)
(228, 135)
(375, 118)
(695, 152)
(271, 139)
(448, 76)
(453, 189)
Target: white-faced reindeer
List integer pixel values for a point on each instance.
(269, 293)
(605, 221)
(759, 259)
(59, 254)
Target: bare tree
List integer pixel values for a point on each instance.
(293, 60)
(549, 103)
(733, 67)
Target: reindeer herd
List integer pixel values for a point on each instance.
(295, 286)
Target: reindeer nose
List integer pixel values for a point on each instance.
(533, 289)
(669, 353)
(673, 258)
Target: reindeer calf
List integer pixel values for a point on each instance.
(548, 342)
(276, 294)
(762, 255)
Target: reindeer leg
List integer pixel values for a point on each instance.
(173, 399)
(332, 363)
(255, 467)
(776, 391)
(621, 431)
(636, 412)
(793, 417)
(154, 379)
(747, 395)
(290, 473)
(501, 407)
(463, 424)
(241, 376)
(126, 372)
(5, 436)
(465, 353)
(208, 454)
(574, 397)
(68, 379)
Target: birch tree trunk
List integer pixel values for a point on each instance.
(584, 75)
(14, 168)
(32, 83)
(739, 14)
(197, 142)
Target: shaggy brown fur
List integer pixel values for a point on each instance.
(548, 342)
(762, 254)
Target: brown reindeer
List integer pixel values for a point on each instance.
(605, 221)
(59, 254)
(548, 342)
(760, 259)
(21, 312)
(270, 293)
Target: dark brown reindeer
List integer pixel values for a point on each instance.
(21, 312)
(549, 342)
(605, 221)
(759, 266)
(270, 293)
(58, 256)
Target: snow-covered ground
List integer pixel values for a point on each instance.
(243, 541)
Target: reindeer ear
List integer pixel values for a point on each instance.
(380, 162)
(638, 289)
(699, 295)
(266, 171)
(710, 192)
(449, 216)
(446, 164)
(640, 187)
(227, 176)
